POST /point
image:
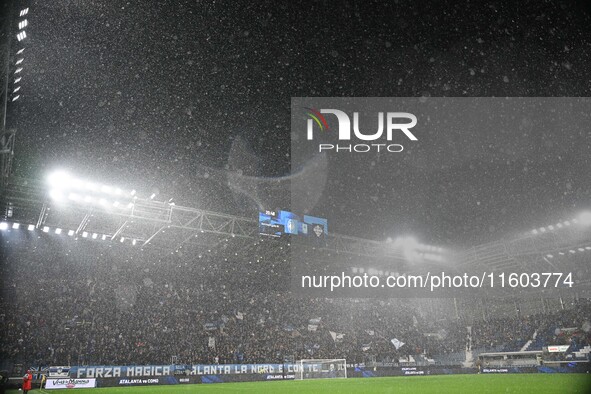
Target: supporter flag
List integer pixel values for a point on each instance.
(239, 315)
(336, 336)
(366, 346)
(370, 332)
(211, 342)
(397, 343)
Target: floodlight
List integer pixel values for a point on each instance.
(542, 229)
(3, 226)
(20, 51)
(17, 80)
(58, 179)
(134, 242)
(116, 204)
(16, 89)
(94, 236)
(549, 256)
(71, 233)
(56, 195)
(550, 227)
(19, 61)
(152, 196)
(572, 251)
(122, 239)
(16, 226)
(561, 253)
(16, 97)
(31, 227)
(24, 11)
(132, 193)
(21, 36)
(84, 234)
(534, 231)
(559, 225)
(581, 250)
(104, 237)
(22, 24)
(567, 223)
(586, 247)
(87, 199)
(58, 231)
(102, 201)
(18, 70)
(74, 197)
(45, 229)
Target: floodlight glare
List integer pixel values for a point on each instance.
(58, 179)
(118, 191)
(31, 227)
(15, 226)
(56, 195)
(585, 218)
(132, 193)
(87, 199)
(58, 231)
(102, 201)
(3, 226)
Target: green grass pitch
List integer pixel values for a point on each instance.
(481, 384)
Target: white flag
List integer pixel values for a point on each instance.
(336, 336)
(397, 344)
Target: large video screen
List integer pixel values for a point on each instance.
(276, 223)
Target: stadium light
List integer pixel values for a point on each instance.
(104, 237)
(84, 234)
(21, 36)
(71, 233)
(56, 195)
(22, 24)
(31, 227)
(122, 239)
(16, 89)
(3, 226)
(549, 256)
(134, 242)
(581, 250)
(19, 61)
(24, 11)
(18, 70)
(45, 229)
(20, 51)
(567, 223)
(58, 231)
(94, 236)
(16, 226)
(16, 97)
(17, 80)
(572, 251)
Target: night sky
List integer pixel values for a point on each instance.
(172, 96)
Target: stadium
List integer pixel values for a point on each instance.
(147, 246)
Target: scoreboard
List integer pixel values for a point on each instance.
(276, 223)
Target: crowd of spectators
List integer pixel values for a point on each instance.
(67, 302)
